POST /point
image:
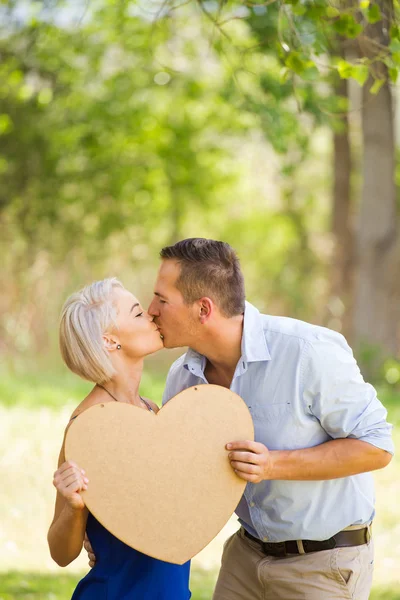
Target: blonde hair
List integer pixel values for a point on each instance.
(85, 317)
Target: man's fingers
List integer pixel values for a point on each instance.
(248, 457)
(248, 445)
(244, 467)
(248, 477)
(91, 564)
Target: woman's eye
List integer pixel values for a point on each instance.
(139, 315)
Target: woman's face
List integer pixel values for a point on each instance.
(136, 331)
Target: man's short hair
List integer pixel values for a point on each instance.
(85, 317)
(209, 268)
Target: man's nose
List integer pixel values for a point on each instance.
(152, 309)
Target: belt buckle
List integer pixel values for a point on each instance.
(274, 548)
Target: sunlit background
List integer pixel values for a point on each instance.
(127, 125)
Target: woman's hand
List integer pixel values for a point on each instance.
(88, 547)
(70, 480)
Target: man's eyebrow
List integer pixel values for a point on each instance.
(133, 306)
(159, 295)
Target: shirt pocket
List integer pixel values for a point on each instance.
(271, 412)
(273, 425)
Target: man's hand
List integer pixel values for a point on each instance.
(88, 547)
(251, 460)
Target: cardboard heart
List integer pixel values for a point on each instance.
(162, 483)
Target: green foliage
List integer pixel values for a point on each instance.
(304, 31)
(97, 136)
(56, 390)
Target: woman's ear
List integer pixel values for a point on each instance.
(110, 342)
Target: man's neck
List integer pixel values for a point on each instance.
(222, 348)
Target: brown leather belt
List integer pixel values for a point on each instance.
(353, 537)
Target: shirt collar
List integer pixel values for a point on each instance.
(254, 345)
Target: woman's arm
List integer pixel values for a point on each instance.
(66, 533)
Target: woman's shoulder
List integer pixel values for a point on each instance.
(153, 405)
(91, 399)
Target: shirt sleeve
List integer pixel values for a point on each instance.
(336, 394)
(167, 395)
(172, 384)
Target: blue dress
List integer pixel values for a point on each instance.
(122, 573)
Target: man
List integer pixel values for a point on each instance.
(319, 430)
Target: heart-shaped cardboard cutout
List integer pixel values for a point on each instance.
(162, 483)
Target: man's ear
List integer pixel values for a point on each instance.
(206, 309)
(110, 342)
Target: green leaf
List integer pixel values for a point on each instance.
(394, 32)
(345, 69)
(393, 74)
(332, 12)
(360, 73)
(374, 14)
(378, 83)
(298, 9)
(6, 124)
(295, 63)
(347, 26)
(364, 3)
(311, 73)
(394, 45)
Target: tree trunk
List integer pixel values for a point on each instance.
(377, 298)
(342, 281)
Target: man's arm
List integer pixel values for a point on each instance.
(332, 391)
(253, 462)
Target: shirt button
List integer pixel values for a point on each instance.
(252, 504)
(265, 539)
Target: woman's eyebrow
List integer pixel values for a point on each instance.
(133, 306)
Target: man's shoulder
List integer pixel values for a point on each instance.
(177, 365)
(287, 327)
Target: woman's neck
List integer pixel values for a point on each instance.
(124, 386)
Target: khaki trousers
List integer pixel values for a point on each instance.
(248, 574)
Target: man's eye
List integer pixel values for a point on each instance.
(163, 302)
(139, 315)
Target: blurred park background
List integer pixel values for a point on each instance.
(126, 125)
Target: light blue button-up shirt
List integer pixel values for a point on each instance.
(303, 387)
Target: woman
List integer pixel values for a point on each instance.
(104, 337)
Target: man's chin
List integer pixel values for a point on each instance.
(169, 344)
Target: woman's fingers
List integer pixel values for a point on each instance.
(69, 480)
(74, 477)
(88, 547)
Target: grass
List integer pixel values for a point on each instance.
(31, 429)
(34, 586)
(54, 390)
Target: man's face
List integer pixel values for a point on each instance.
(175, 319)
